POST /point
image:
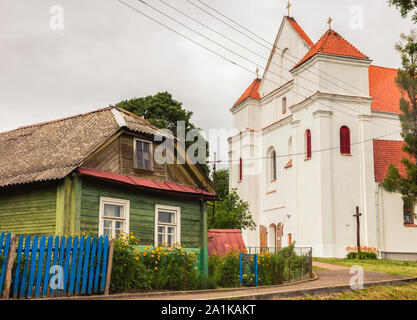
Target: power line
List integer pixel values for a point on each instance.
(269, 43)
(221, 56)
(228, 49)
(303, 153)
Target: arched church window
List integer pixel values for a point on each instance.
(344, 140)
(308, 144)
(273, 165)
(240, 169)
(284, 105)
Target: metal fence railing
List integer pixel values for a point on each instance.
(298, 261)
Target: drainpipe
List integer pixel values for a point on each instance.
(378, 231)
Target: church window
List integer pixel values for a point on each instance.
(284, 105)
(273, 165)
(308, 144)
(344, 140)
(240, 169)
(408, 215)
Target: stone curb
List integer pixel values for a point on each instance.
(175, 293)
(316, 291)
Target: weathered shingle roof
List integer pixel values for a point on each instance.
(51, 150)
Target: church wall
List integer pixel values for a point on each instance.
(278, 197)
(291, 49)
(395, 238)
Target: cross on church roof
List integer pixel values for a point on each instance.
(330, 22)
(288, 7)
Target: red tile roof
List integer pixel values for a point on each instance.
(221, 242)
(250, 92)
(383, 89)
(300, 31)
(333, 43)
(388, 152)
(147, 184)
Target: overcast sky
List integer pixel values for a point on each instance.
(106, 52)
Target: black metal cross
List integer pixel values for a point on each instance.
(358, 230)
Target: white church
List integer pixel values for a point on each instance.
(316, 136)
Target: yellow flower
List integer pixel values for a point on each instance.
(156, 268)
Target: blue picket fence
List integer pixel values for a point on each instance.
(60, 266)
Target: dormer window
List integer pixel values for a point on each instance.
(143, 154)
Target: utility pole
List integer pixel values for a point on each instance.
(214, 183)
(358, 230)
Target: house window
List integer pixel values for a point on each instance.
(284, 105)
(143, 154)
(273, 166)
(344, 140)
(408, 215)
(308, 144)
(167, 225)
(114, 217)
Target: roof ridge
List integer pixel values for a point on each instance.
(349, 43)
(340, 47)
(57, 120)
(303, 35)
(390, 140)
(381, 67)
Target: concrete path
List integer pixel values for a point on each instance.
(328, 266)
(329, 281)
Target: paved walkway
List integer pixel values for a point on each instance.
(328, 266)
(329, 281)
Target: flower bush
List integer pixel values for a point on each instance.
(160, 267)
(128, 273)
(272, 268)
(166, 267)
(362, 253)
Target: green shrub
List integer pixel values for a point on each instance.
(229, 271)
(128, 272)
(277, 268)
(362, 255)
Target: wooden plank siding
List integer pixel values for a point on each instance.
(26, 209)
(142, 211)
(107, 158)
(118, 157)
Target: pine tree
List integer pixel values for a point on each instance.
(406, 80)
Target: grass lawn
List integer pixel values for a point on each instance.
(402, 292)
(406, 268)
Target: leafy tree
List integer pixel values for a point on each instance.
(406, 80)
(231, 212)
(222, 182)
(164, 112)
(405, 7)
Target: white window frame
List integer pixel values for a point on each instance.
(118, 202)
(135, 165)
(177, 211)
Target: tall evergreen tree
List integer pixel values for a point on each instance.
(406, 80)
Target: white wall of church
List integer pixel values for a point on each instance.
(395, 238)
(315, 199)
(291, 49)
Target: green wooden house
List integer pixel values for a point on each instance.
(96, 173)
